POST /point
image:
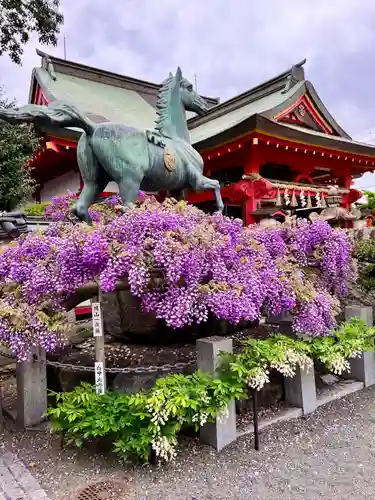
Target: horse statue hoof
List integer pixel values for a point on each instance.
(83, 217)
(128, 206)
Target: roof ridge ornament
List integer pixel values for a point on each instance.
(297, 74)
(48, 66)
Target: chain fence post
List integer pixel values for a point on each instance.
(223, 431)
(362, 368)
(97, 325)
(32, 389)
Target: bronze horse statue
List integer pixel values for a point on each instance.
(151, 160)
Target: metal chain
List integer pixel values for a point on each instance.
(136, 369)
(6, 355)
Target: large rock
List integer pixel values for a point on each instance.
(135, 382)
(124, 318)
(70, 378)
(134, 359)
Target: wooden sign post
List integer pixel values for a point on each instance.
(97, 325)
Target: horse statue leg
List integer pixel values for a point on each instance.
(199, 182)
(178, 195)
(95, 179)
(88, 196)
(129, 185)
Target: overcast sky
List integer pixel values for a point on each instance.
(230, 45)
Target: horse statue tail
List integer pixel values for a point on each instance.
(57, 113)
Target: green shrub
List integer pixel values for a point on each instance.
(152, 419)
(37, 209)
(365, 251)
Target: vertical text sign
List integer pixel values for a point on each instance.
(99, 377)
(97, 322)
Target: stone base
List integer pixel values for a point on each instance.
(300, 391)
(223, 431)
(363, 368)
(339, 391)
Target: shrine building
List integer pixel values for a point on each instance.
(274, 148)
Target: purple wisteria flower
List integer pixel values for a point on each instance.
(183, 265)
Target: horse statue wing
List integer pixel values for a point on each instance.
(57, 113)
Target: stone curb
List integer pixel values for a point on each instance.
(16, 482)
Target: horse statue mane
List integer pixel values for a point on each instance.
(153, 160)
(162, 103)
(168, 98)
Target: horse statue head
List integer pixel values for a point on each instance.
(189, 98)
(176, 96)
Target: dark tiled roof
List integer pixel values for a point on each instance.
(12, 225)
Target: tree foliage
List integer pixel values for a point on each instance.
(371, 199)
(20, 18)
(370, 205)
(365, 253)
(18, 143)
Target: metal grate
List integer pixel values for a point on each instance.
(104, 490)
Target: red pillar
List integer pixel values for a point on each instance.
(347, 184)
(251, 166)
(253, 159)
(249, 207)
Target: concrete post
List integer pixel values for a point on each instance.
(363, 368)
(32, 389)
(223, 431)
(300, 390)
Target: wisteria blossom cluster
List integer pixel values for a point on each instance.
(182, 264)
(61, 208)
(316, 259)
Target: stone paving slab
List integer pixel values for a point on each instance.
(16, 482)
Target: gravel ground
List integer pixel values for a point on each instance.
(330, 455)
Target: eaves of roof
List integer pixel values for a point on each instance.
(299, 91)
(107, 77)
(264, 89)
(263, 125)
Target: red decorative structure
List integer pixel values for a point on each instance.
(370, 220)
(274, 147)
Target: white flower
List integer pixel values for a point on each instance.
(339, 364)
(164, 448)
(292, 359)
(200, 417)
(258, 379)
(299, 359)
